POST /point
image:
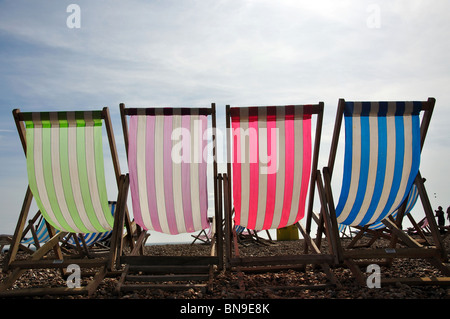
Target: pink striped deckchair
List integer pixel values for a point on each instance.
(167, 150)
(168, 182)
(271, 167)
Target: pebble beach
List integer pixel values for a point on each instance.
(281, 284)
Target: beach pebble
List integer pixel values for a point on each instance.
(227, 285)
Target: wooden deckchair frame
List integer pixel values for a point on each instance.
(30, 228)
(5, 240)
(435, 255)
(203, 235)
(39, 259)
(266, 263)
(182, 267)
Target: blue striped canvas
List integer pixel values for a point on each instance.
(90, 238)
(41, 234)
(381, 159)
(239, 229)
(412, 199)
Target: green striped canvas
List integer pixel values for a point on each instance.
(66, 170)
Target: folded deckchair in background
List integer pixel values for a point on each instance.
(39, 233)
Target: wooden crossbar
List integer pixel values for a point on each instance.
(282, 260)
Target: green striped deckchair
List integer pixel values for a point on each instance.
(65, 170)
(66, 175)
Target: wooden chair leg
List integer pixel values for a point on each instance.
(19, 228)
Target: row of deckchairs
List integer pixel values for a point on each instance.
(272, 180)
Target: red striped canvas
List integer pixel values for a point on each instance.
(271, 165)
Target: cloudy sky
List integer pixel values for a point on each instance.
(193, 53)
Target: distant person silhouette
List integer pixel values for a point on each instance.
(448, 213)
(440, 216)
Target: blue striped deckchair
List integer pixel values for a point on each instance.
(239, 229)
(382, 157)
(42, 235)
(66, 176)
(383, 143)
(244, 234)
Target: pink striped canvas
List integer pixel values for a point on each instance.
(271, 165)
(167, 168)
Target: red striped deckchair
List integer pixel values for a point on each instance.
(167, 150)
(65, 164)
(271, 168)
(270, 154)
(383, 144)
